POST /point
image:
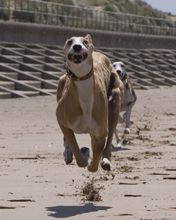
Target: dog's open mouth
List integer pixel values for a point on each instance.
(77, 58)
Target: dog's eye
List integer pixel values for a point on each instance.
(69, 42)
(85, 42)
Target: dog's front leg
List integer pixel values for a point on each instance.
(113, 116)
(70, 137)
(97, 145)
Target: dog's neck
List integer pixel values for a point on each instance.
(80, 71)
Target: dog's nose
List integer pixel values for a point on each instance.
(77, 47)
(118, 71)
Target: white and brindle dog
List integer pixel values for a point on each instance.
(89, 100)
(129, 97)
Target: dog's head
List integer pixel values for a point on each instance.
(120, 69)
(78, 49)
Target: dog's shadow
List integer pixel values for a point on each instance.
(69, 211)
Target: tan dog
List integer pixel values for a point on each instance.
(83, 96)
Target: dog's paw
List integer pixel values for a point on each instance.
(82, 163)
(85, 153)
(92, 168)
(126, 131)
(68, 155)
(105, 164)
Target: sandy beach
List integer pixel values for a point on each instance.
(35, 183)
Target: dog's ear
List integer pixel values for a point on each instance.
(89, 38)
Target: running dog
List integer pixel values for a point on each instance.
(129, 97)
(89, 100)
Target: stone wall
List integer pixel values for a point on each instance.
(45, 34)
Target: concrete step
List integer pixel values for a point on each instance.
(13, 57)
(33, 51)
(7, 84)
(7, 52)
(151, 67)
(53, 53)
(169, 73)
(52, 67)
(5, 59)
(54, 81)
(142, 75)
(30, 52)
(52, 91)
(39, 50)
(24, 77)
(32, 46)
(46, 85)
(27, 93)
(54, 59)
(9, 45)
(166, 74)
(4, 69)
(172, 67)
(11, 50)
(38, 74)
(27, 58)
(52, 75)
(136, 86)
(165, 67)
(29, 67)
(146, 82)
(14, 65)
(12, 75)
(5, 95)
(148, 61)
(159, 81)
(18, 49)
(34, 83)
(158, 61)
(136, 61)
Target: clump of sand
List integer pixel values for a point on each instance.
(91, 192)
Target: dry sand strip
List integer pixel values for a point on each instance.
(35, 184)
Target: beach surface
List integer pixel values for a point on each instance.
(35, 183)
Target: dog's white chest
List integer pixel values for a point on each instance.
(86, 97)
(84, 123)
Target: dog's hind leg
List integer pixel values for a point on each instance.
(113, 116)
(118, 140)
(127, 116)
(97, 149)
(70, 137)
